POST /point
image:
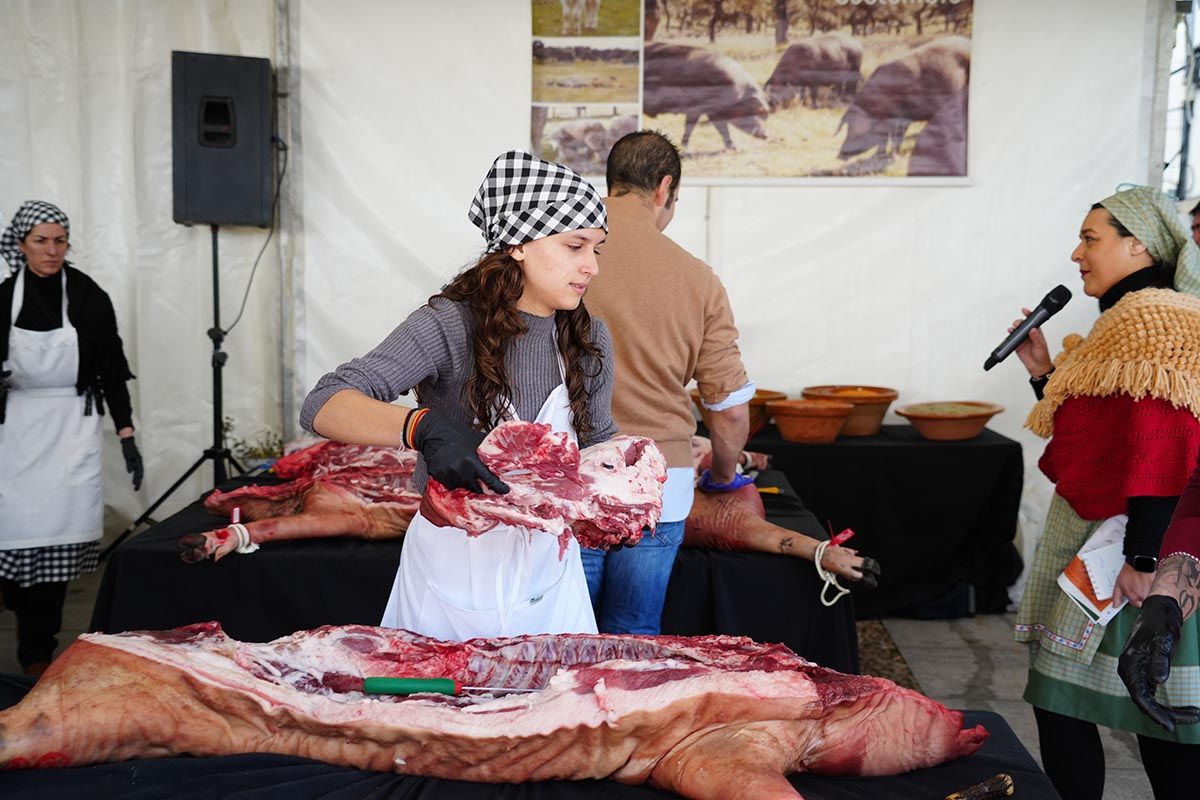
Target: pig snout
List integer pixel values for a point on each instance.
(754, 125)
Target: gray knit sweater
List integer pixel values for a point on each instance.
(431, 351)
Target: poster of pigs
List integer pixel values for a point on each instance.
(755, 90)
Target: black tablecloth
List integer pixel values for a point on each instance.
(272, 777)
(937, 515)
(302, 584)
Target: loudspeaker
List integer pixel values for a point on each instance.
(221, 128)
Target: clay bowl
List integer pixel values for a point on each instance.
(758, 408)
(809, 420)
(870, 404)
(949, 421)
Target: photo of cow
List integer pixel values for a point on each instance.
(810, 88)
(581, 136)
(587, 17)
(601, 71)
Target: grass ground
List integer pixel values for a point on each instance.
(585, 82)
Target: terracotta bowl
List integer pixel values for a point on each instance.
(949, 421)
(809, 420)
(759, 415)
(870, 404)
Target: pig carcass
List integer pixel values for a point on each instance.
(333, 489)
(706, 717)
(696, 82)
(913, 87)
(737, 521)
(603, 495)
(831, 59)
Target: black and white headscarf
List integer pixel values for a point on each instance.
(525, 198)
(31, 214)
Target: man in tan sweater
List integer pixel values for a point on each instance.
(671, 323)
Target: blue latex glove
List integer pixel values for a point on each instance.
(706, 483)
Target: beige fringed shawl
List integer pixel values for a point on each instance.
(1146, 345)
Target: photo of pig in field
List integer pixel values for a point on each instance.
(914, 87)
(602, 71)
(581, 137)
(696, 82)
(586, 17)
(790, 89)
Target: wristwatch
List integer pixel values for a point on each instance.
(1142, 563)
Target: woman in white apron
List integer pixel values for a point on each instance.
(508, 338)
(57, 332)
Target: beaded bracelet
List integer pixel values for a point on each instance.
(1180, 553)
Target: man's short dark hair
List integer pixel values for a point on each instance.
(1195, 210)
(640, 160)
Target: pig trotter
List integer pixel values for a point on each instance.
(195, 548)
(997, 786)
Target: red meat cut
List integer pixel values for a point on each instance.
(706, 717)
(603, 496)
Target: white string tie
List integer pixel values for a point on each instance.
(830, 578)
(243, 538)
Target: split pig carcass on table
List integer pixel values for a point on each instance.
(706, 717)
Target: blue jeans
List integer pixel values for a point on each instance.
(628, 587)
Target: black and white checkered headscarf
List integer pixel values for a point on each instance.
(525, 198)
(31, 214)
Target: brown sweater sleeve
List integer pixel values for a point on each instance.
(719, 369)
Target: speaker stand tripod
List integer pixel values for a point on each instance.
(219, 454)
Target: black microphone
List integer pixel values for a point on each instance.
(1051, 304)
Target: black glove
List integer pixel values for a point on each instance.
(449, 450)
(1146, 660)
(133, 461)
(4, 384)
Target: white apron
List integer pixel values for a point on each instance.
(50, 484)
(508, 582)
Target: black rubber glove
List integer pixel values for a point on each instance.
(133, 461)
(1146, 660)
(449, 450)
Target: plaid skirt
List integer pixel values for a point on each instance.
(56, 563)
(1073, 661)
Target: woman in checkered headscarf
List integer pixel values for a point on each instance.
(509, 337)
(1122, 409)
(60, 359)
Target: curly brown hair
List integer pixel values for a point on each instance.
(491, 289)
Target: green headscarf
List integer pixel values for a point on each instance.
(1151, 216)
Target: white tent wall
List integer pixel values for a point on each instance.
(406, 104)
(85, 97)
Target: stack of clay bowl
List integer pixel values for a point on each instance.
(870, 404)
(809, 420)
(759, 415)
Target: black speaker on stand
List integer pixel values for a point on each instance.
(222, 135)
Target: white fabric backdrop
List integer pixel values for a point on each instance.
(85, 98)
(911, 287)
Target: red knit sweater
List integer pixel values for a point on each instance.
(1108, 449)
